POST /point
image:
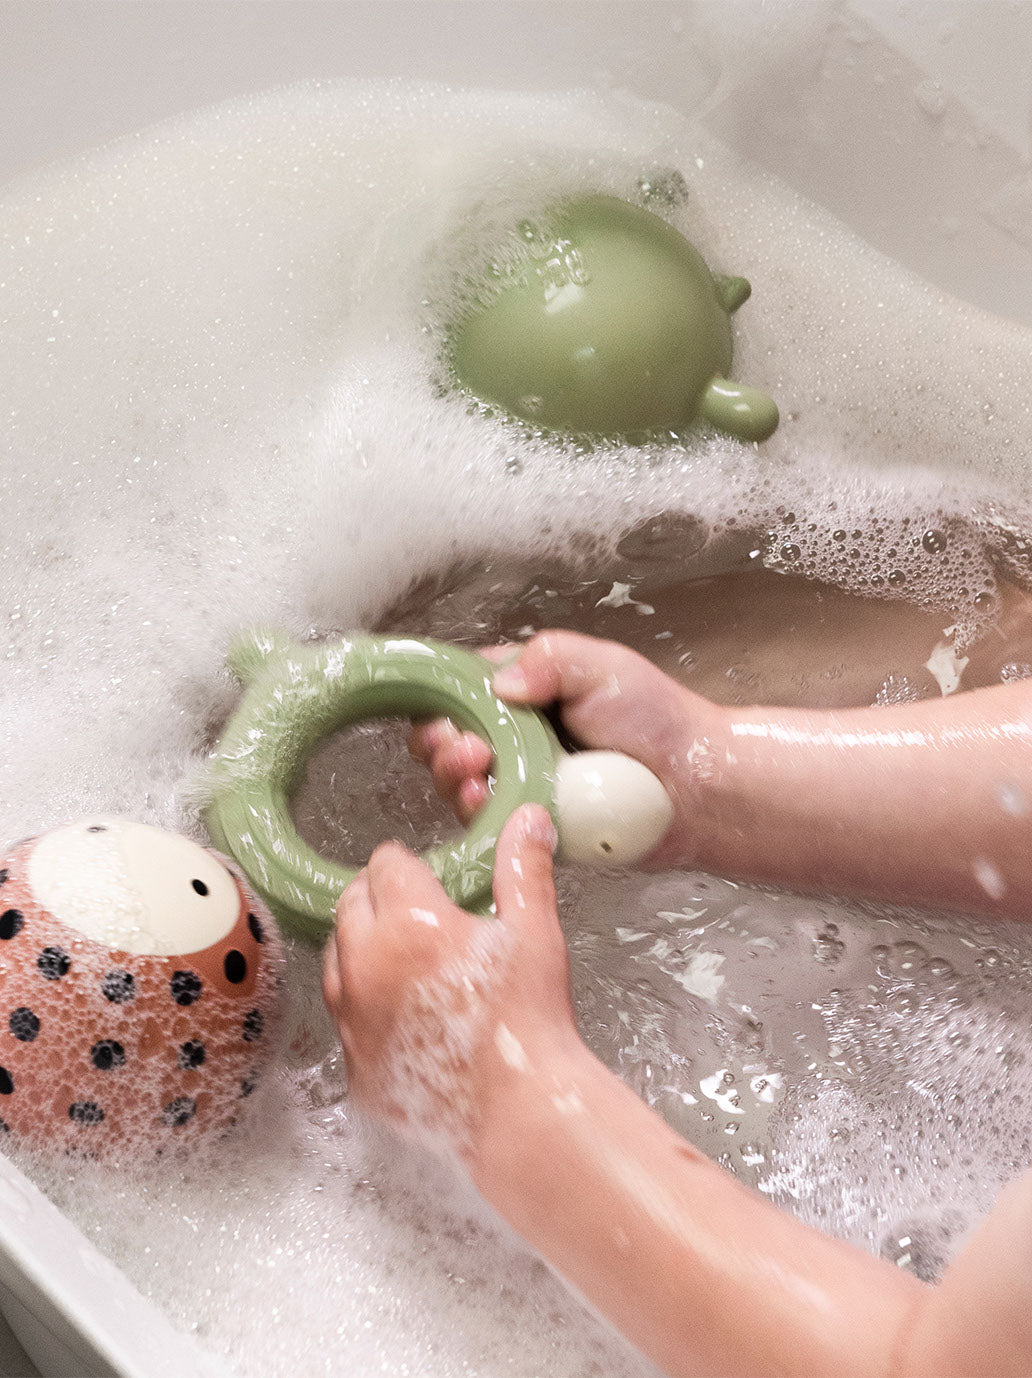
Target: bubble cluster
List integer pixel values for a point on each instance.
(226, 402)
(427, 1065)
(933, 559)
(922, 1101)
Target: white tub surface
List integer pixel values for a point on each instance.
(72, 1311)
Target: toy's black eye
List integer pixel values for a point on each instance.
(199, 886)
(96, 828)
(606, 846)
(235, 966)
(12, 921)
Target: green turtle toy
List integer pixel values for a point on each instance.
(614, 326)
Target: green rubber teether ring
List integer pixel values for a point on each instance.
(297, 695)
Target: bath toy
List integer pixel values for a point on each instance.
(139, 985)
(614, 326)
(608, 808)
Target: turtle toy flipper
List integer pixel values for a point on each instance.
(745, 412)
(614, 326)
(734, 292)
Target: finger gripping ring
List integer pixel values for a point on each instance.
(295, 696)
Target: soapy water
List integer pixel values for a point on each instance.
(767, 1028)
(225, 403)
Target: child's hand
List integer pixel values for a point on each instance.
(459, 1031)
(611, 698)
(437, 1009)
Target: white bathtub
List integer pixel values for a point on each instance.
(909, 120)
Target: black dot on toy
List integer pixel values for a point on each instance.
(254, 1025)
(118, 987)
(179, 1111)
(85, 1112)
(199, 886)
(5, 1128)
(257, 931)
(96, 828)
(248, 1084)
(12, 921)
(23, 1024)
(235, 966)
(4, 875)
(107, 1054)
(53, 963)
(186, 987)
(6, 1082)
(191, 1054)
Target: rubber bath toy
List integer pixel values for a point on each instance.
(608, 808)
(139, 981)
(615, 326)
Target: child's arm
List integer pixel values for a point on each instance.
(928, 802)
(696, 1270)
(461, 1031)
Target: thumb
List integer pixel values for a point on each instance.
(524, 884)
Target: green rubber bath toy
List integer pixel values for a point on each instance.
(608, 808)
(615, 326)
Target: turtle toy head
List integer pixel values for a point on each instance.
(615, 326)
(611, 810)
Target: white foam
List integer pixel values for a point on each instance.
(427, 1065)
(221, 382)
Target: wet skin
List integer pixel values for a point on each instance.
(698, 1271)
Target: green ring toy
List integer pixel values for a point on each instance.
(608, 808)
(295, 696)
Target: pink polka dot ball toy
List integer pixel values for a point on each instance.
(140, 984)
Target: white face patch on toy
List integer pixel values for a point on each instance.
(139, 990)
(133, 888)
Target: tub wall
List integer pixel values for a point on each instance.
(909, 118)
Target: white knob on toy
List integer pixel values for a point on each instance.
(612, 810)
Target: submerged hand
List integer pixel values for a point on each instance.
(436, 1008)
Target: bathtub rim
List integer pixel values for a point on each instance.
(50, 1278)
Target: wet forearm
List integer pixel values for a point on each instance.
(696, 1270)
(928, 802)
